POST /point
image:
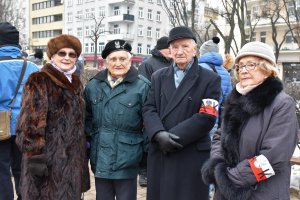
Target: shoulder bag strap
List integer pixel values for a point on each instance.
(19, 83)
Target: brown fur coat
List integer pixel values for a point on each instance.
(51, 122)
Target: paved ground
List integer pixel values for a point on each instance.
(91, 194)
(141, 192)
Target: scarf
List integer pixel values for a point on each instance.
(67, 74)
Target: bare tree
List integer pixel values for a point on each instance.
(292, 20)
(181, 14)
(11, 11)
(95, 35)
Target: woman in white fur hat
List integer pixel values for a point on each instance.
(250, 154)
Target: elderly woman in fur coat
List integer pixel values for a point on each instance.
(50, 129)
(250, 155)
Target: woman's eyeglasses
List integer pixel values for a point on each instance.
(64, 54)
(248, 67)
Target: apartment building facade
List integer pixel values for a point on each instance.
(139, 22)
(45, 22)
(289, 56)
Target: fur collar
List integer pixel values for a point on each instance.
(238, 109)
(59, 79)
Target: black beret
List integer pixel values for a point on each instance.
(9, 35)
(181, 32)
(115, 45)
(162, 43)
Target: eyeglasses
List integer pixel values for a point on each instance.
(248, 67)
(64, 54)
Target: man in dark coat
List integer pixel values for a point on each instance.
(180, 111)
(160, 58)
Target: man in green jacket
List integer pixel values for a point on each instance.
(114, 99)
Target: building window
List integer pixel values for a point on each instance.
(247, 38)
(45, 34)
(149, 32)
(70, 17)
(288, 38)
(140, 30)
(157, 33)
(92, 47)
(149, 14)
(254, 36)
(255, 10)
(86, 48)
(79, 32)
(150, 1)
(79, 16)
(158, 2)
(139, 48)
(69, 31)
(87, 31)
(116, 10)
(79, 2)
(102, 30)
(116, 29)
(87, 14)
(70, 3)
(101, 47)
(46, 4)
(158, 16)
(141, 12)
(263, 36)
(102, 11)
(148, 49)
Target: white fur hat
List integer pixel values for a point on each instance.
(258, 49)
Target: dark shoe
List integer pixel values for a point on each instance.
(143, 178)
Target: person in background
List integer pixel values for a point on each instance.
(114, 124)
(228, 63)
(50, 128)
(250, 156)
(211, 59)
(160, 58)
(37, 57)
(11, 64)
(180, 110)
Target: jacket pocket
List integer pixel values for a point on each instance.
(131, 108)
(129, 153)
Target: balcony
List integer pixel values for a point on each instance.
(121, 1)
(120, 18)
(123, 36)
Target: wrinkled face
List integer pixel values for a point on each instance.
(118, 63)
(249, 71)
(183, 51)
(65, 59)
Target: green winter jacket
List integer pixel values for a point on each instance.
(114, 124)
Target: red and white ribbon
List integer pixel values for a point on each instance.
(209, 106)
(261, 168)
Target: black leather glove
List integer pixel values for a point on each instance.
(166, 142)
(37, 165)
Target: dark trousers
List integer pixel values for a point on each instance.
(10, 161)
(123, 189)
